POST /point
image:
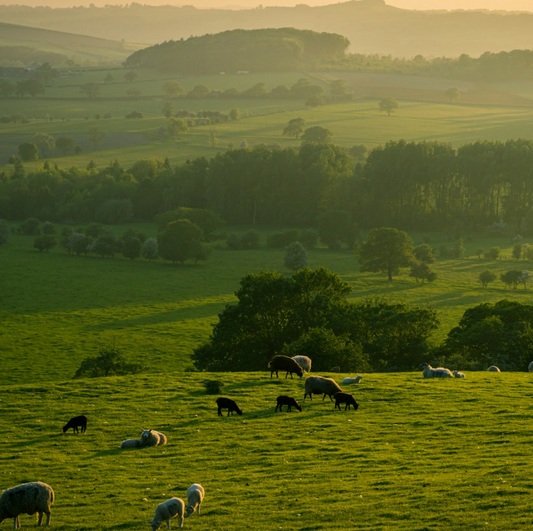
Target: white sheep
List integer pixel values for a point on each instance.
(167, 510)
(152, 438)
(355, 380)
(458, 374)
(304, 362)
(130, 443)
(530, 367)
(493, 368)
(439, 372)
(28, 498)
(317, 385)
(195, 496)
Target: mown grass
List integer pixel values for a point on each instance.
(417, 455)
(57, 309)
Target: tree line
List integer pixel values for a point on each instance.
(426, 186)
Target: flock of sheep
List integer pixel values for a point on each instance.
(37, 497)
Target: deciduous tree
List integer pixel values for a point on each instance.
(388, 105)
(179, 241)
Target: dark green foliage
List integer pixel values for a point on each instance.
(105, 246)
(329, 350)
(213, 387)
(47, 228)
(207, 220)
(4, 232)
(180, 241)
(296, 256)
(78, 243)
(385, 249)
(33, 87)
(132, 248)
(30, 227)
(110, 362)
(149, 249)
(388, 105)
(420, 271)
(277, 240)
(65, 144)
(115, 211)
(494, 334)
(317, 134)
(486, 277)
(45, 242)
(492, 254)
(295, 127)
(134, 115)
(513, 278)
(424, 253)
(258, 50)
(250, 240)
(517, 250)
(336, 228)
(28, 151)
(308, 238)
(94, 230)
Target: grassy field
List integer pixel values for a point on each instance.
(417, 455)
(57, 309)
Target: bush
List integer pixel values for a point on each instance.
(213, 387)
(277, 240)
(45, 242)
(135, 115)
(110, 362)
(4, 232)
(30, 227)
(308, 238)
(492, 254)
(296, 256)
(149, 249)
(47, 228)
(486, 277)
(250, 240)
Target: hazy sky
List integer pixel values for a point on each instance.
(507, 5)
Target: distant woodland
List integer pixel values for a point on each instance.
(369, 25)
(253, 50)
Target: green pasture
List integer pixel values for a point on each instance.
(418, 454)
(58, 309)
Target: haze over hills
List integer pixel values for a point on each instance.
(370, 25)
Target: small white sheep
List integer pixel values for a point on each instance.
(355, 380)
(28, 498)
(195, 496)
(458, 374)
(152, 438)
(530, 367)
(493, 368)
(167, 510)
(304, 362)
(439, 372)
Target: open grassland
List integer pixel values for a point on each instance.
(418, 454)
(57, 309)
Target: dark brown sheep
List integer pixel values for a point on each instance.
(75, 423)
(288, 401)
(284, 363)
(345, 398)
(229, 404)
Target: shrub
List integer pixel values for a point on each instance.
(4, 232)
(250, 240)
(278, 240)
(492, 254)
(296, 256)
(424, 253)
(45, 242)
(149, 249)
(213, 387)
(487, 276)
(47, 228)
(110, 362)
(30, 227)
(134, 115)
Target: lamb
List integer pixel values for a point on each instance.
(75, 423)
(28, 498)
(166, 511)
(530, 367)
(229, 404)
(304, 362)
(284, 363)
(130, 443)
(345, 398)
(355, 380)
(317, 385)
(439, 372)
(195, 496)
(493, 368)
(152, 438)
(287, 401)
(458, 374)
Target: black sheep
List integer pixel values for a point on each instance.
(288, 401)
(75, 423)
(345, 398)
(229, 404)
(284, 363)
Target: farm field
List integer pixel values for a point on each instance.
(414, 445)
(262, 120)
(56, 310)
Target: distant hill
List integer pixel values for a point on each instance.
(370, 25)
(260, 50)
(26, 45)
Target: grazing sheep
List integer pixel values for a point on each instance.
(28, 498)
(75, 423)
(345, 398)
(284, 363)
(152, 438)
(347, 381)
(229, 404)
(304, 362)
(439, 372)
(335, 369)
(458, 374)
(530, 367)
(195, 496)
(493, 368)
(317, 385)
(287, 401)
(130, 443)
(167, 510)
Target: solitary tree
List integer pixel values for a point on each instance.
(130, 76)
(168, 109)
(172, 88)
(65, 144)
(45, 242)
(387, 250)
(45, 143)
(420, 271)
(295, 127)
(452, 94)
(28, 151)
(132, 248)
(91, 90)
(424, 253)
(235, 114)
(179, 241)
(317, 134)
(388, 105)
(486, 277)
(96, 136)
